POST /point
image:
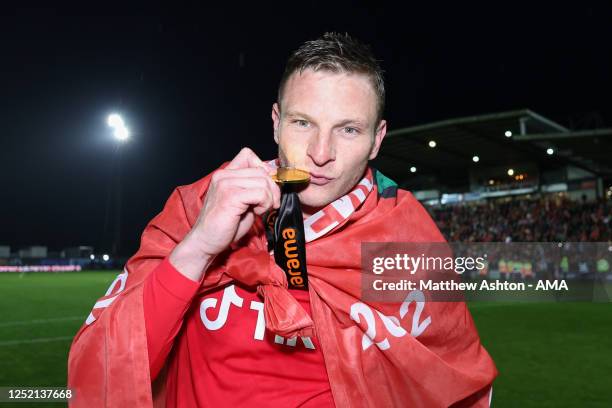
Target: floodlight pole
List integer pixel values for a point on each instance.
(121, 134)
(118, 196)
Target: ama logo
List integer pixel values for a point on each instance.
(551, 285)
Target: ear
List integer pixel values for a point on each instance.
(378, 138)
(276, 120)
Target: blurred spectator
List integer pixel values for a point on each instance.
(544, 219)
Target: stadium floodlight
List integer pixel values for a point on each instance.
(121, 133)
(105, 257)
(550, 151)
(432, 143)
(475, 159)
(92, 257)
(510, 172)
(115, 121)
(413, 169)
(508, 133)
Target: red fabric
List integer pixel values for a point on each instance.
(167, 296)
(108, 362)
(228, 358)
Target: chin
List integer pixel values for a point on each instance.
(316, 199)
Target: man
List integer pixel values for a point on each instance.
(206, 300)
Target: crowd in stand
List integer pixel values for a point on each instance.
(544, 219)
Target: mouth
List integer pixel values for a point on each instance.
(319, 179)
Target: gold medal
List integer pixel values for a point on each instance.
(290, 175)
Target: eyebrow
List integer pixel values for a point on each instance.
(354, 122)
(344, 122)
(294, 114)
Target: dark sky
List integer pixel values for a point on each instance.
(177, 77)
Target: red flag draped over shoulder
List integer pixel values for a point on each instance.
(370, 359)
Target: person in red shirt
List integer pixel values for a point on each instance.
(328, 120)
(207, 343)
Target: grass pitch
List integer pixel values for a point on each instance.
(548, 354)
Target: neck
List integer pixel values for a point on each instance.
(307, 211)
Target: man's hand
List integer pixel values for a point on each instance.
(236, 195)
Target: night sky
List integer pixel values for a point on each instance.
(196, 86)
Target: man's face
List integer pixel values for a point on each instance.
(326, 124)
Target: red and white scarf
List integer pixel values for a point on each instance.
(336, 213)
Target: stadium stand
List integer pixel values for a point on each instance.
(550, 218)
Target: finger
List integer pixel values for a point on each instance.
(235, 188)
(250, 173)
(240, 173)
(276, 193)
(247, 158)
(232, 183)
(259, 198)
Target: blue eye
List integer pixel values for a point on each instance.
(301, 122)
(351, 130)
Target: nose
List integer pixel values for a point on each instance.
(321, 150)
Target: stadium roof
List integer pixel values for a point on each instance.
(458, 140)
